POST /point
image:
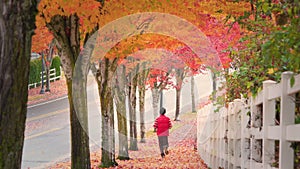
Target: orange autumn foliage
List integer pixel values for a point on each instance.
(86, 10)
(189, 10)
(135, 43)
(196, 12)
(41, 39)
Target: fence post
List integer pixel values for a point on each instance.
(231, 130)
(255, 144)
(245, 138)
(214, 141)
(287, 117)
(211, 147)
(268, 153)
(237, 133)
(252, 113)
(222, 136)
(227, 138)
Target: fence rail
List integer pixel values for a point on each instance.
(247, 134)
(52, 75)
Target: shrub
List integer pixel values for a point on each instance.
(35, 69)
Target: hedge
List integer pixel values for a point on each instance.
(56, 64)
(36, 68)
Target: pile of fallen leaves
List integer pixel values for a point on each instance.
(181, 156)
(182, 151)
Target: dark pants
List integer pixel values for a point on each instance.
(163, 143)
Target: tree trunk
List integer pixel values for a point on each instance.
(179, 81)
(142, 92)
(47, 79)
(79, 128)
(193, 94)
(69, 47)
(132, 112)
(120, 99)
(17, 20)
(178, 91)
(214, 87)
(48, 62)
(108, 140)
(142, 76)
(104, 80)
(78, 98)
(122, 129)
(155, 102)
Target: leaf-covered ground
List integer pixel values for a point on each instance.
(182, 140)
(57, 89)
(183, 152)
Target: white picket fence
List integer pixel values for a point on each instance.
(243, 135)
(52, 75)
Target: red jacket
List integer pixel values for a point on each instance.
(162, 124)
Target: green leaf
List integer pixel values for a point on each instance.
(265, 7)
(297, 119)
(292, 81)
(249, 84)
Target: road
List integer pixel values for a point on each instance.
(47, 133)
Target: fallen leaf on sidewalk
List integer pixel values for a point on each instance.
(182, 154)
